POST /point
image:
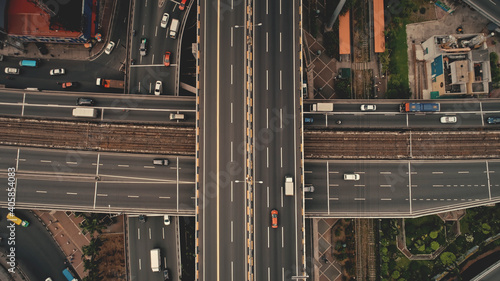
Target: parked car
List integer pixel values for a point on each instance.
(164, 20)
(142, 218)
(166, 59)
(493, 120)
(158, 88)
(143, 49)
(308, 120)
(182, 5)
(448, 119)
(166, 220)
(368, 107)
(309, 188)
(109, 47)
(160, 162)
(12, 70)
(166, 275)
(57, 71)
(274, 218)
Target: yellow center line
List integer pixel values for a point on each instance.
(217, 151)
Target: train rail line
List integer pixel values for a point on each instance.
(318, 144)
(96, 136)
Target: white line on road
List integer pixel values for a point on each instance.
(281, 118)
(437, 185)
(123, 166)
(45, 161)
(334, 198)
(41, 191)
(140, 265)
(282, 196)
(153, 59)
(385, 185)
(24, 100)
(163, 235)
(102, 195)
(385, 173)
(463, 172)
(267, 156)
(267, 118)
(138, 234)
(132, 196)
(267, 42)
(280, 42)
(268, 243)
(232, 184)
(280, 7)
(232, 230)
(22, 160)
(308, 172)
(143, 27)
(232, 160)
(231, 113)
(164, 197)
(232, 36)
(493, 2)
(267, 7)
(267, 79)
(72, 163)
(282, 274)
(386, 199)
(437, 173)
(149, 167)
(156, 31)
(231, 74)
(359, 199)
(281, 156)
(268, 273)
(71, 193)
(232, 270)
(268, 196)
(282, 238)
(281, 80)
(149, 232)
(359, 185)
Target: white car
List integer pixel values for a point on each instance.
(158, 88)
(368, 107)
(57, 71)
(166, 220)
(164, 20)
(448, 119)
(109, 47)
(12, 70)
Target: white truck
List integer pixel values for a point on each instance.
(323, 107)
(289, 186)
(85, 112)
(155, 260)
(174, 27)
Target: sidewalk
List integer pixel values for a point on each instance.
(70, 51)
(64, 229)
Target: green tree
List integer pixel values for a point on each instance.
(447, 258)
(434, 234)
(395, 274)
(434, 245)
(342, 88)
(396, 88)
(485, 228)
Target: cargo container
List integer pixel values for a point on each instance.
(419, 107)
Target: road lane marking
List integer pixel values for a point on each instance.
(24, 101)
(232, 160)
(282, 238)
(488, 177)
(281, 81)
(334, 198)
(333, 185)
(41, 191)
(143, 27)
(156, 31)
(124, 166)
(71, 193)
(437, 185)
(267, 79)
(385, 185)
(232, 113)
(385, 173)
(333, 172)
(267, 42)
(267, 156)
(149, 229)
(232, 31)
(138, 234)
(21, 160)
(164, 197)
(281, 156)
(268, 196)
(231, 74)
(280, 42)
(267, 7)
(153, 59)
(267, 118)
(268, 273)
(140, 265)
(72, 163)
(386, 199)
(493, 2)
(45, 161)
(359, 185)
(280, 9)
(307, 172)
(232, 190)
(463, 172)
(149, 167)
(102, 195)
(132, 196)
(359, 199)
(232, 230)
(437, 173)
(281, 118)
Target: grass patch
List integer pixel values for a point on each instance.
(399, 56)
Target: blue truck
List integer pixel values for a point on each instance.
(69, 276)
(419, 107)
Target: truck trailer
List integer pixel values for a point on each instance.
(155, 260)
(85, 112)
(174, 28)
(108, 83)
(16, 220)
(419, 107)
(289, 186)
(323, 107)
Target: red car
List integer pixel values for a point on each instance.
(166, 59)
(274, 218)
(182, 5)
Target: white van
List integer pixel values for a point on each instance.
(174, 28)
(176, 116)
(351, 177)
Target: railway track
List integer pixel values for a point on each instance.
(318, 144)
(96, 136)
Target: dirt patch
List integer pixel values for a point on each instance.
(112, 258)
(363, 84)
(361, 32)
(428, 9)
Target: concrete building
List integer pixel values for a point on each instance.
(456, 65)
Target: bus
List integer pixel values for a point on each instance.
(16, 220)
(29, 63)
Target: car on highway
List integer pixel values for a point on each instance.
(166, 274)
(309, 188)
(182, 5)
(164, 20)
(308, 120)
(85, 101)
(448, 119)
(166, 220)
(166, 59)
(48, 279)
(160, 162)
(57, 71)
(368, 107)
(351, 177)
(109, 47)
(66, 85)
(143, 49)
(493, 120)
(12, 70)
(274, 218)
(158, 88)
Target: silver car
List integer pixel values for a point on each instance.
(12, 70)
(57, 71)
(109, 47)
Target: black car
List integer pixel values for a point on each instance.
(166, 274)
(493, 120)
(42, 48)
(142, 218)
(85, 101)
